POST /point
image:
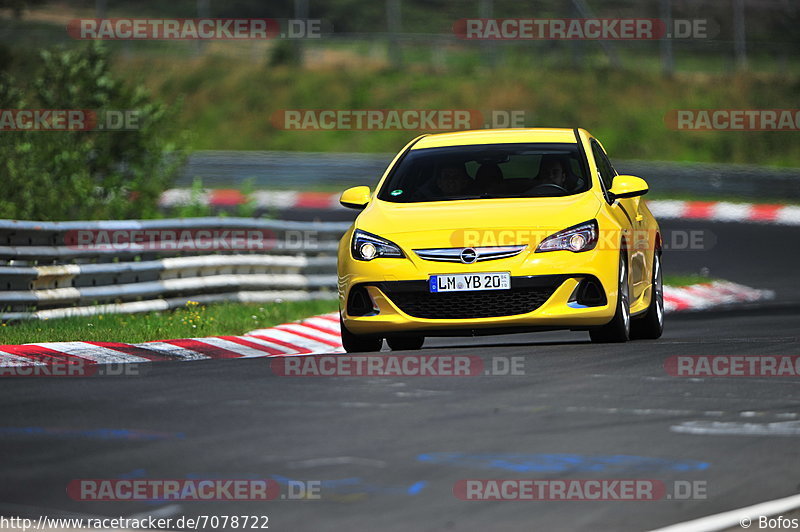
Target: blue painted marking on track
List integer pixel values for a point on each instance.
(557, 463)
(417, 487)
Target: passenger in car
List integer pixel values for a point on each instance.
(489, 179)
(453, 180)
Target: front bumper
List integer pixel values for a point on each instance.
(397, 293)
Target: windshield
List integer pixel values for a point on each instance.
(486, 171)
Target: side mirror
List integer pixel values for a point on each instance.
(356, 197)
(628, 186)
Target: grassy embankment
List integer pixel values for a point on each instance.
(228, 103)
(190, 322)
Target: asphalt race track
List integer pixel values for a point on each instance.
(388, 451)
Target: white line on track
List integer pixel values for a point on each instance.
(735, 428)
(735, 518)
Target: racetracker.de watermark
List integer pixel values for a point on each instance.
(733, 119)
(608, 239)
(204, 489)
(396, 366)
(75, 368)
(191, 239)
(733, 365)
(69, 120)
(578, 490)
(395, 119)
(212, 489)
(194, 29)
(580, 29)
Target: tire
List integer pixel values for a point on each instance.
(619, 328)
(359, 343)
(651, 325)
(405, 343)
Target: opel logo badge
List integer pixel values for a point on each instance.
(469, 255)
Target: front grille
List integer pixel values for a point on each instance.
(420, 303)
(480, 254)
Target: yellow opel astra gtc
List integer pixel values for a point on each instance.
(498, 231)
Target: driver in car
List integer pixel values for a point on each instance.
(452, 180)
(552, 172)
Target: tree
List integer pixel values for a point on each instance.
(93, 174)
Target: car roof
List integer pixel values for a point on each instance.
(496, 136)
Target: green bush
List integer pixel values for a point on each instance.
(284, 52)
(93, 174)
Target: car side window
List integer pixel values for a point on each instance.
(607, 162)
(604, 167)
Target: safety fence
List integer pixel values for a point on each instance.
(58, 269)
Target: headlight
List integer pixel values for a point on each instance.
(581, 237)
(366, 246)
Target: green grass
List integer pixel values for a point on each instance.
(228, 103)
(686, 279)
(192, 321)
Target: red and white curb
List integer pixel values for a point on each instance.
(705, 296)
(722, 211)
(718, 211)
(315, 335)
(266, 199)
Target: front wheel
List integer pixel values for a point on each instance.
(358, 343)
(651, 325)
(619, 328)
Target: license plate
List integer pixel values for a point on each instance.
(468, 282)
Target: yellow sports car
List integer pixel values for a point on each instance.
(497, 231)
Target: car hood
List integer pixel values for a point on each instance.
(445, 223)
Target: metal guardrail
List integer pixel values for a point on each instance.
(292, 170)
(48, 270)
